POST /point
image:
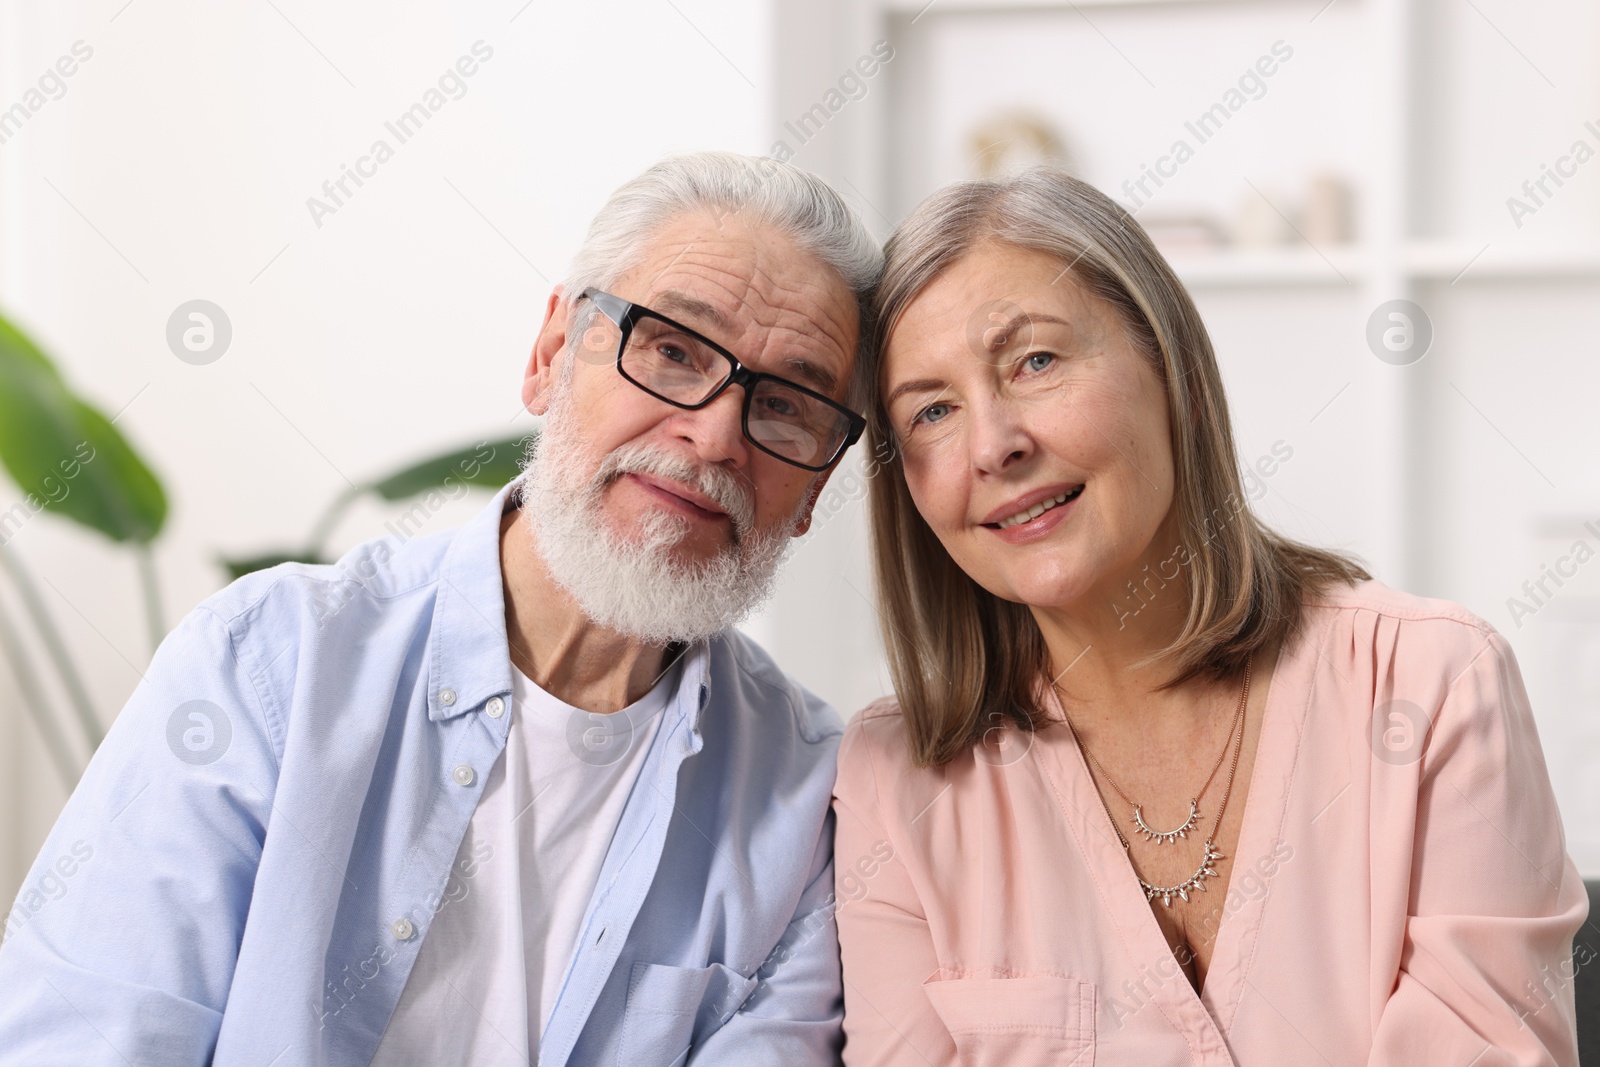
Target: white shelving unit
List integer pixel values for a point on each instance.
(1420, 261)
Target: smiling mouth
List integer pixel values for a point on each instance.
(1034, 512)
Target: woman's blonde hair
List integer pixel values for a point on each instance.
(963, 660)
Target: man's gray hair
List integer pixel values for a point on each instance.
(763, 192)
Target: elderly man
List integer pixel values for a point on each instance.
(524, 795)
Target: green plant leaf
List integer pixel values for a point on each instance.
(488, 465)
(65, 454)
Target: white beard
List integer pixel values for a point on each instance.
(629, 582)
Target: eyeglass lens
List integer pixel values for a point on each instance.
(784, 420)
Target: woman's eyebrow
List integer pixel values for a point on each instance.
(928, 385)
(1024, 318)
(918, 385)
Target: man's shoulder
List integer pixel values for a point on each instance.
(373, 574)
(344, 631)
(765, 688)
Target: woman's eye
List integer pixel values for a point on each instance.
(1038, 361)
(931, 413)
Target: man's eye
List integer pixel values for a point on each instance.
(931, 413)
(675, 353)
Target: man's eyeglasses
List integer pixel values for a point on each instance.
(674, 363)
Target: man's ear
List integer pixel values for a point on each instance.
(548, 348)
(812, 496)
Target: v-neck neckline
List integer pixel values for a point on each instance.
(1202, 1017)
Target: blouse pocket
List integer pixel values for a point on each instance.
(1000, 1022)
(670, 1009)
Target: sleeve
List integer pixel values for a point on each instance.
(885, 945)
(1486, 967)
(791, 1017)
(121, 945)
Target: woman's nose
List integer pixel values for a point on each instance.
(998, 437)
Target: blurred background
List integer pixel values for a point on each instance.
(1387, 210)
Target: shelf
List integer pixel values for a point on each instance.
(1430, 261)
(1497, 260)
(1228, 267)
(916, 8)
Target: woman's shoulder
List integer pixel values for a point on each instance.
(875, 753)
(1377, 598)
(1419, 623)
(1369, 633)
(876, 733)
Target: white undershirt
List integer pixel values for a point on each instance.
(487, 975)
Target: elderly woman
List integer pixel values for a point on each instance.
(1161, 786)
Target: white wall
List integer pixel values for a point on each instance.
(178, 164)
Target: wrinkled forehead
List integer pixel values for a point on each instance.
(753, 290)
(992, 302)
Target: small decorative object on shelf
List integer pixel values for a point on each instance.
(1014, 140)
(1328, 215)
(1260, 221)
(1183, 234)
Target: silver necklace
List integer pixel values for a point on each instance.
(1210, 853)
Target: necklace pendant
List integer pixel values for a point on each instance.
(1195, 881)
(1166, 837)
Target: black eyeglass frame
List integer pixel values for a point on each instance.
(625, 313)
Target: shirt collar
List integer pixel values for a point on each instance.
(471, 657)
(694, 693)
(471, 654)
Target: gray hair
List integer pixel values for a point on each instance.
(764, 192)
(965, 661)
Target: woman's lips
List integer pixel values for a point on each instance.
(1028, 514)
(1036, 524)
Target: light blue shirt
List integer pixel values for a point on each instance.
(252, 859)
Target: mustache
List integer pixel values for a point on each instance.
(730, 493)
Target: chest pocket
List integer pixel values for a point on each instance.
(1000, 1022)
(671, 1009)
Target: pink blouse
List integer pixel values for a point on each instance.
(1399, 895)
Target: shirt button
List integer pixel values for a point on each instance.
(495, 708)
(402, 929)
(447, 697)
(464, 775)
